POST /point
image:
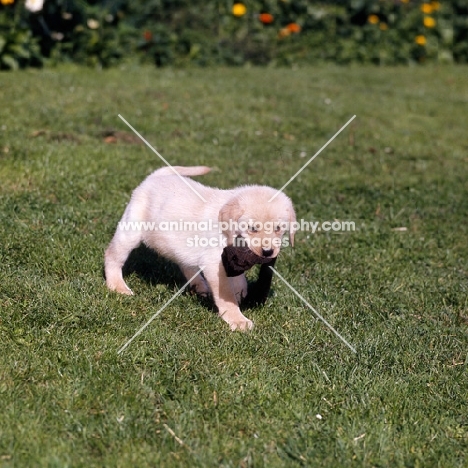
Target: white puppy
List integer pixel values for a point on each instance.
(165, 214)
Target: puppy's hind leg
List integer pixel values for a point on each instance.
(198, 284)
(116, 255)
(239, 287)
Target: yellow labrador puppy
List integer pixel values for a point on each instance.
(168, 216)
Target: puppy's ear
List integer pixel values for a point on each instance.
(292, 223)
(228, 215)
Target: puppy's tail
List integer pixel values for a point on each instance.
(183, 171)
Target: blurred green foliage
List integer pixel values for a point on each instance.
(282, 32)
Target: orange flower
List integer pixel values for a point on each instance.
(429, 22)
(7, 2)
(426, 8)
(373, 19)
(239, 9)
(293, 27)
(420, 40)
(435, 5)
(147, 35)
(383, 26)
(284, 32)
(266, 18)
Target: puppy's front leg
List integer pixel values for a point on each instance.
(225, 298)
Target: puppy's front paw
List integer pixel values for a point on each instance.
(120, 288)
(126, 291)
(237, 321)
(242, 325)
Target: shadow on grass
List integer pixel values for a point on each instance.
(153, 269)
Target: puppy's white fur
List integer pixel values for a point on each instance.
(163, 196)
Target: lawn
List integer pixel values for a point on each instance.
(187, 391)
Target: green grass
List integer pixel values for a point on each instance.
(233, 399)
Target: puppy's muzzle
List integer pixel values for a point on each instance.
(267, 252)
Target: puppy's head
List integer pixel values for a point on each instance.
(258, 223)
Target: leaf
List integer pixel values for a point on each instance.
(20, 51)
(2, 43)
(10, 62)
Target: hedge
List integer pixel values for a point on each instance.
(279, 32)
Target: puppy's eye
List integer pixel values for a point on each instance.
(252, 229)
